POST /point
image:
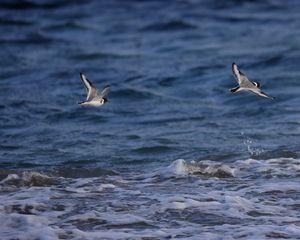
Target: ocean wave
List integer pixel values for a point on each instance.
(69, 172)
(182, 168)
(172, 201)
(33, 4)
(99, 56)
(72, 172)
(28, 179)
(169, 119)
(15, 22)
(167, 81)
(206, 168)
(134, 93)
(31, 38)
(80, 114)
(152, 149)
(175, 25)
(249, 168)
(269, 168)
(201, 69)
(70, 25)
(26, 227)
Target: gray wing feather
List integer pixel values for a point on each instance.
(91, 90)
(104, 92)
(262, 94)
(241, 78)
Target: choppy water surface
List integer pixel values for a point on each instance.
(174, 154)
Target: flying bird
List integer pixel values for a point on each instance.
(245, 84)
(94, 98)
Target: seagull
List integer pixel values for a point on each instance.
(246, 84)
(94, 98)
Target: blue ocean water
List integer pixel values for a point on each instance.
(173, 154)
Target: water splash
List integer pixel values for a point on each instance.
(251, 146)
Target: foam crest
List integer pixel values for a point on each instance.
(180, 201)
(270, 168)
(184, 202)
(122, 219)
(207, 168)
(28, 179)
(89, 185)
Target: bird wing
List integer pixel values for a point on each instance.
(239, 76)
(105, 92)
(91, 90)
(261, 93)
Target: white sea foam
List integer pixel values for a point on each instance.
(181, 167)
(185, 202)
(86, 185)
(275, 167)
(28, 179)
(257, 199)
(24, 227)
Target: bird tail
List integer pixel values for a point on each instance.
(235, 89)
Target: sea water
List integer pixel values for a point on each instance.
(173, 154)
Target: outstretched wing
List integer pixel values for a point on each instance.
(91, 90)
(262, 94)
(105, 92)
(239, 76)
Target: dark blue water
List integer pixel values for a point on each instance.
(169, 67)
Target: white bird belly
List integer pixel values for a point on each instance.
(92, 103)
